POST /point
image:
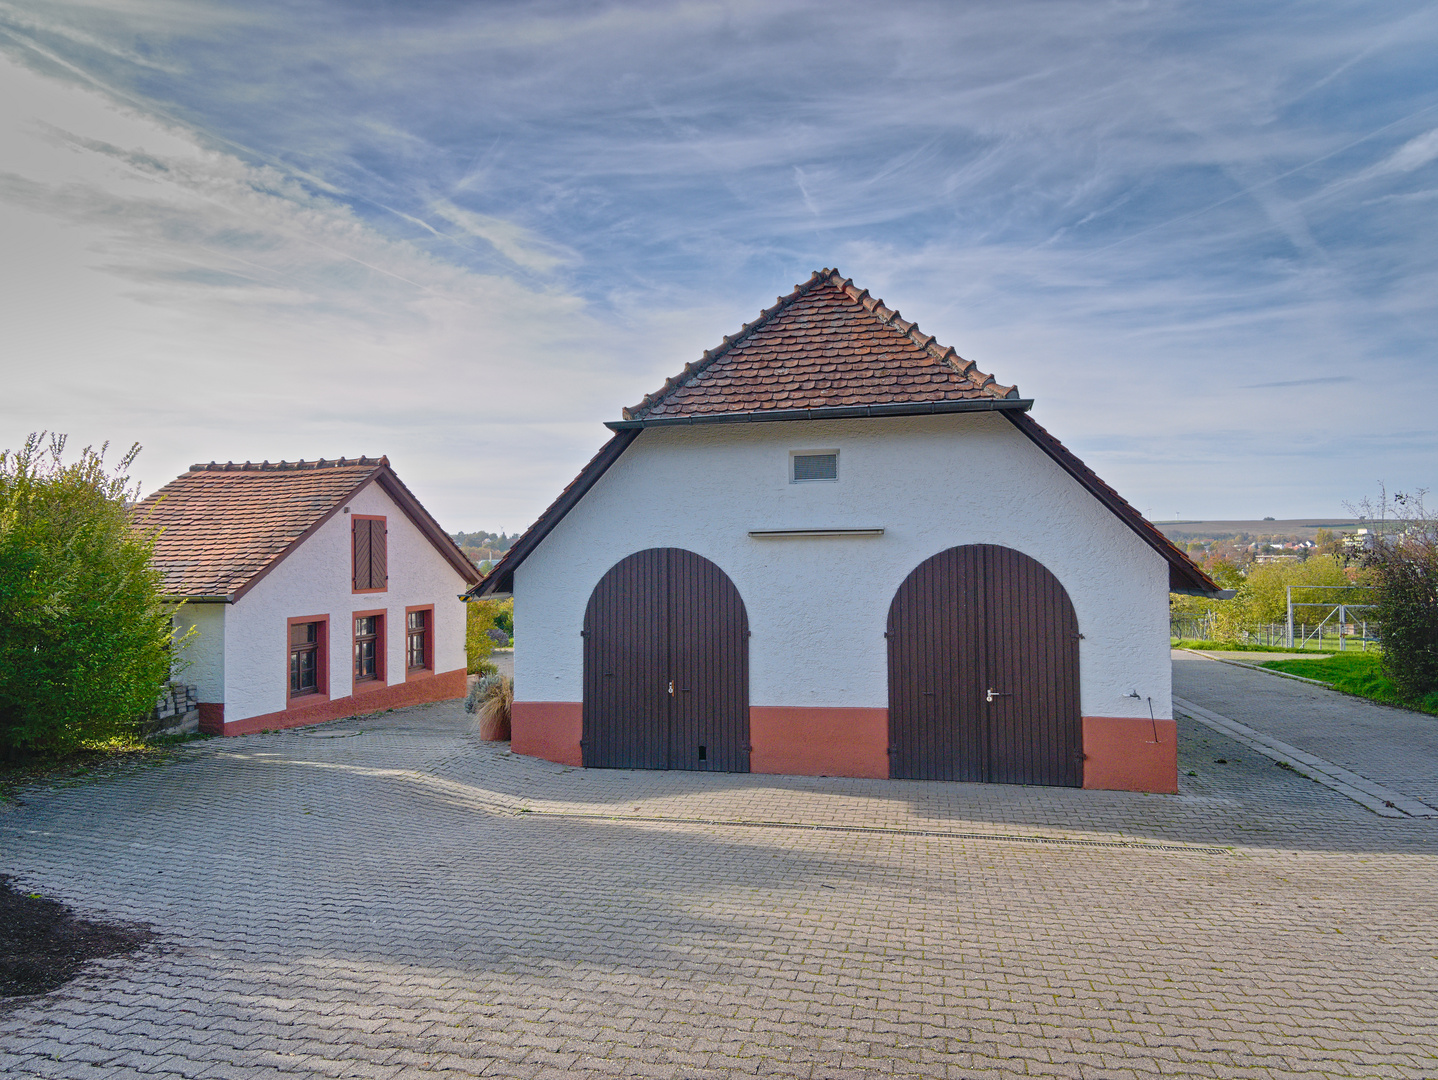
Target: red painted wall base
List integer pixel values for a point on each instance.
(1122, 753)
(547, 729)
(212, 717)
(806, 741)
(417, 691)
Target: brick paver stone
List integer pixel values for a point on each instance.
(390, 897)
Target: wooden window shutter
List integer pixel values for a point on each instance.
(363, 559)
(378, 557)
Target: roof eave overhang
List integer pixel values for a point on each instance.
(199, 598)
(837, 412)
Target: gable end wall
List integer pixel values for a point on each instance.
(818, 607)
(315, 580)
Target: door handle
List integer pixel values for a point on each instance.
(671, 687)
(989, 697)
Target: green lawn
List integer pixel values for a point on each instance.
(1328, 645)
(1354, 673)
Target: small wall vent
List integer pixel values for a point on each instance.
(814, 465)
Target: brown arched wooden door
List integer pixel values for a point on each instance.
(984, 672)
(666, 666)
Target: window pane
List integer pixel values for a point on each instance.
(417, 619)
(304, 670)
(364, 627)
(303, 633)
(364, 659)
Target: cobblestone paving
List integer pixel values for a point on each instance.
(411, 902)
(1393, 747)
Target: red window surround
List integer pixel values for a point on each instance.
(307, 660)
(369, 553)
(368, 652)
(419, 640)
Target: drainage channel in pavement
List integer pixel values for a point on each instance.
(1010, 838)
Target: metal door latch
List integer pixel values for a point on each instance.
(671, 687)
(989, 697)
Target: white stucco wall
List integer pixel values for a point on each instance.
(202, 661)
(818, 607)
(315, 580)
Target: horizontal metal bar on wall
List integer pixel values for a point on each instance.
(838, 412)
(785, 534)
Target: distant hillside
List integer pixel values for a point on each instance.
(1295, 528)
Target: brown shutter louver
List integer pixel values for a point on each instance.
(360, 572)
(378, 555)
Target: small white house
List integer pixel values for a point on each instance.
(834, 547)
(316, 590)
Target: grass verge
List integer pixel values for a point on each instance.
(1223, 646)
(1357, 673)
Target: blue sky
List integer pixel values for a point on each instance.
(1201, 235)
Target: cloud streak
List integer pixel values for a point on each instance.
(557, 205)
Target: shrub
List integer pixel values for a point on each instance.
(1404, 567)
(478, 618)
(482, 617)
(85, 634)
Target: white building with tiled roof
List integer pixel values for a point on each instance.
(832, 546)
(315, 589)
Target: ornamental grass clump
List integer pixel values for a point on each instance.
(496, 700)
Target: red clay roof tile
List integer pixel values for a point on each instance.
(221, 526)
(825, 343)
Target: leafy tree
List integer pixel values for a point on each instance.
(1325, 543)
(85, 633)
(1263, 596)
(1225, 572)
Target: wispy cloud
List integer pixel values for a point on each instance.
(555, 205)
(514, 242)
(1413, 154)
(1332, 380)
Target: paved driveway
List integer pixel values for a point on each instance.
(410, 902)
(1392, 747)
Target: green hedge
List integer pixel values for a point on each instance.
(85, 636)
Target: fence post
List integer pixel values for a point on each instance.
(1289, 642)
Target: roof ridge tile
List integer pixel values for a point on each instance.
(290, 466)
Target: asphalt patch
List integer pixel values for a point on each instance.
(44, 944)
